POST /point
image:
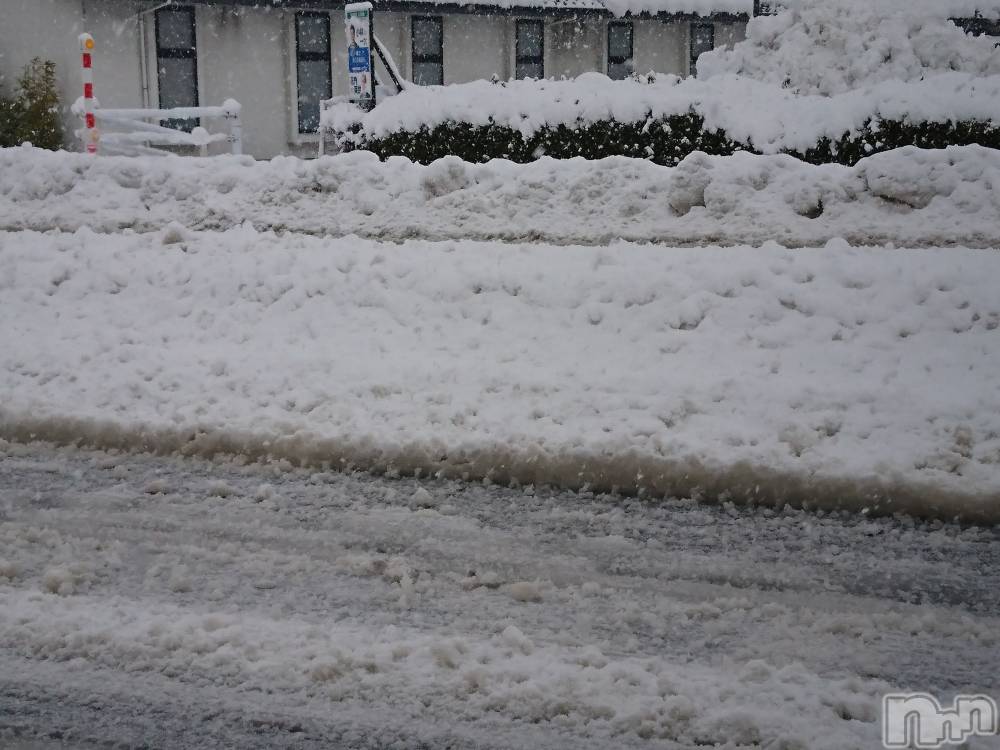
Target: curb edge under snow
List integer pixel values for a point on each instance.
(627, 473)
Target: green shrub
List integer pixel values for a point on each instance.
(663, 141)
(32, 114)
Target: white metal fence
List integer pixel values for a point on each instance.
(132, 131)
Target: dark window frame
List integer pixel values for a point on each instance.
(177, 53)
(520, 59)
(618, 59)
(433, 59)
(693, 58)
(310, 56)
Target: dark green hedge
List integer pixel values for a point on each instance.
(663, 141)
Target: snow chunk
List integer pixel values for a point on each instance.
(220, 488)
(174, 233)
(157, 487)
(525, 591)
(65, 580)
(8, 570)
(421, 498)
(515, 639)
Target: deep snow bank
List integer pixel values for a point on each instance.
(842, 377)
(829, 48)
(910, 196)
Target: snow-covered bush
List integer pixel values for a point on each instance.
(663, 141)
(666, 119)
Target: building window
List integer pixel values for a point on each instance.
(177, 63)
(529, 60)
(620, 63)
(702, 40)
(766, 8)
(312, 66)
(427, 44)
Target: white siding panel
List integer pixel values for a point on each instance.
(660, 47)
(475, 48)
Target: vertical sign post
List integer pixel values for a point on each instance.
(91, 134)
(360, 29)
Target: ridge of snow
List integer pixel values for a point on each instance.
(908, 196)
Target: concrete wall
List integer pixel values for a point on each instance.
(258, 42)
(47, 29)
(247, 53)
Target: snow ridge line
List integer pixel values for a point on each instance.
(859, 238)
(908, 197)
(629, 473)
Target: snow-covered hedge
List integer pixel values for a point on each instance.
(666, 118)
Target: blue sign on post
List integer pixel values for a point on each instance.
(359, 29)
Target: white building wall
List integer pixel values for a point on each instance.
(393, 30)
(243, 54)
(660, 46)
(574, 46)
(475, 48)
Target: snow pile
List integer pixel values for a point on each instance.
(842, 377)
(829, 48)
(910, 196)
(761, 114)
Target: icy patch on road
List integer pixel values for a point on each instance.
(842, 377)
(909, 196)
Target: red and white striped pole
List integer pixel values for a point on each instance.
(92, 136)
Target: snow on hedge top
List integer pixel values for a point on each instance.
(769, 117)
(831, 47)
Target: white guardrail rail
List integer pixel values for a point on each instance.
(133, 131)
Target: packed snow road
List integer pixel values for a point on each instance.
(174, 602)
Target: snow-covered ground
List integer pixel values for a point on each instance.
(836, 376)
(177, 603)
(908, 197)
